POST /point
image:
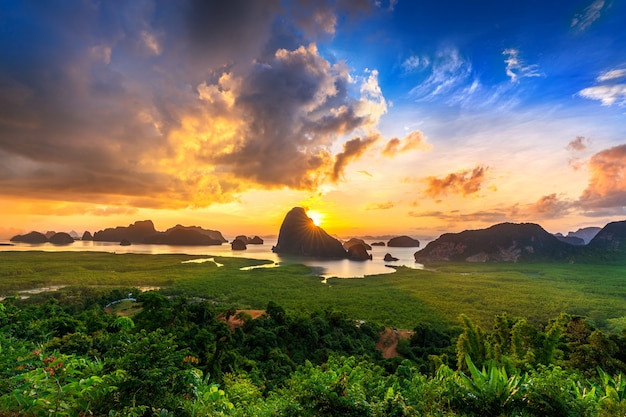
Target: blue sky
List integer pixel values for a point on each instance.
(382, 116)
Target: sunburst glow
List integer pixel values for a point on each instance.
(316, 216)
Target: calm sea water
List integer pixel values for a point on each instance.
(326, 268)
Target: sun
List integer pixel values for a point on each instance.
(316, 216)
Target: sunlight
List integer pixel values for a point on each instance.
(316, 216)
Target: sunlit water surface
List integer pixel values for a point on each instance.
(342, 268)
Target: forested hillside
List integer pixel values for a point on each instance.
(69, 354)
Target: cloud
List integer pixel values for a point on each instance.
(607, 182)
(380, 206)
(415, 63)
(412, 141)
(464, 182)
(547, 207)
(576, 146)
(449, 72)
(352, 149)
(193, 103)
(611, 88)
(582, 21)
(516, 68)
(455, 217)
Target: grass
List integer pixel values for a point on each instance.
(437, 295)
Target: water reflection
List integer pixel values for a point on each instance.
(340, 268)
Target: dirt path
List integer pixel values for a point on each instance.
(234, 321)
(388, 341)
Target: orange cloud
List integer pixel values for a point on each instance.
(607, 182)
(547, 207)
(380, 206)
(352, 149)
(464, 182)
(412, 141)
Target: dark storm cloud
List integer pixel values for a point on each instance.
(172, 103)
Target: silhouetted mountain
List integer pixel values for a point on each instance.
(32, 237)
(612, 238)
(87, 236)
(403, 242)
(300, 236)
(586, 234)
(358, 252)
(181, 237)
(256, 240)
(355, 241)
(144, 232)
(238, 244)
(570, 240)
(61, 238)
(505, 242)
(134, 233)
(213, 234)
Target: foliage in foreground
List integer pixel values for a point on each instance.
(66, 356)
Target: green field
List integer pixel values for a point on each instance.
(436, 295)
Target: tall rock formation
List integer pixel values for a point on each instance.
(300, 236)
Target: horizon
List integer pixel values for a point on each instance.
(382, 118)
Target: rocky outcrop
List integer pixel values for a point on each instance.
(378, 244)
(354, 241)
(49, 234)
(61, 238)
(256, 240)
(250, 241)
(403, 242)
(505, 242)
(238, 244)
(32, 237)
(389, 258)
(87, 236)
(134, 233)
(358, 252)
(125, 242)
(300, 236)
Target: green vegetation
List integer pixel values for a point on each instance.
(67, 356)
(437, 295)
(488, 339)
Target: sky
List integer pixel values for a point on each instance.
(382, 117)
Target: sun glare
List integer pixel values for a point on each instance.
(316, 216)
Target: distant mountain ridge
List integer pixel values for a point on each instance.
(143, 231)
(519, 242)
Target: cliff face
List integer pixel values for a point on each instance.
(505, 242)
(300, 236)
